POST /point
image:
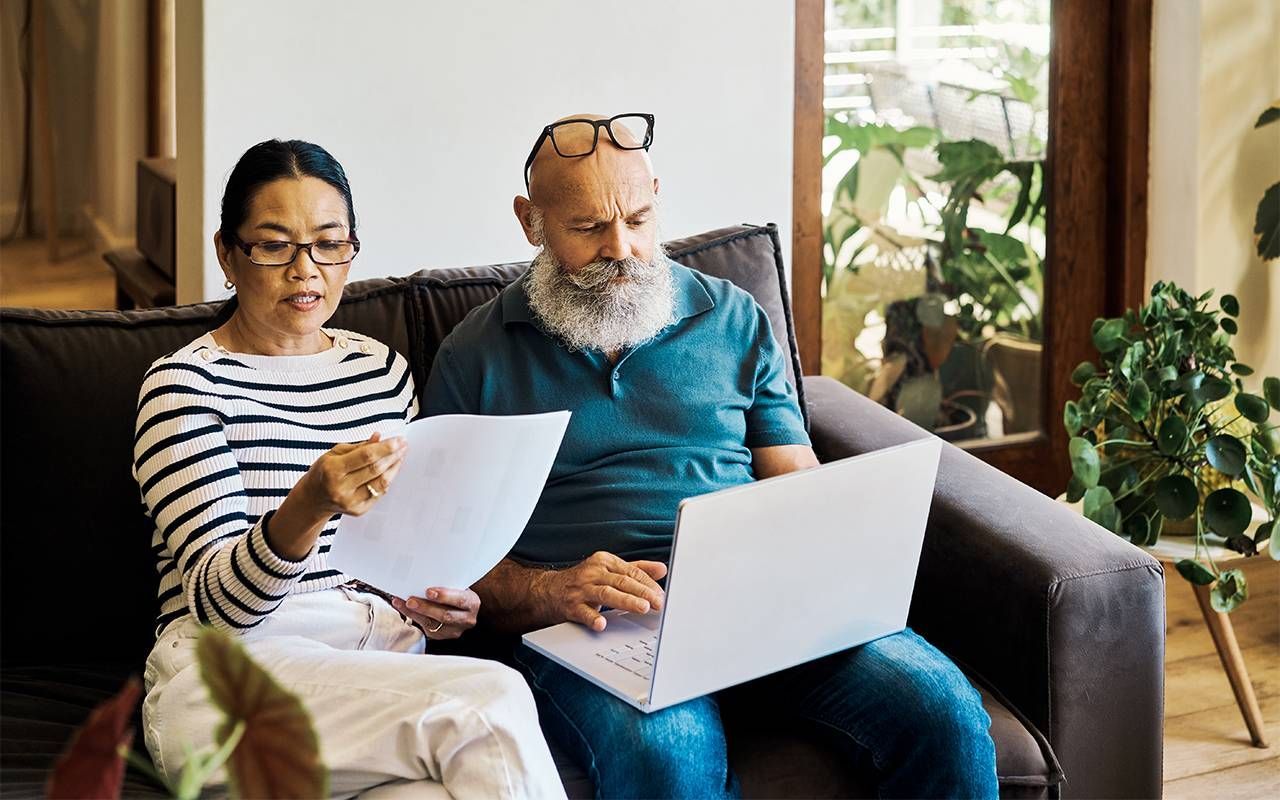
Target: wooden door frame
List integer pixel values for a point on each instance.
(1097, 168)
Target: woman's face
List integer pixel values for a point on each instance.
(283, 307)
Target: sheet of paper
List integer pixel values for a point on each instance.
(463, 496)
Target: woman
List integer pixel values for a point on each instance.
(252, 442)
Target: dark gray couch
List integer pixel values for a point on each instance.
(1059, 623)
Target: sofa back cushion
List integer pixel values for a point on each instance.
(748, 255)
(75, 545)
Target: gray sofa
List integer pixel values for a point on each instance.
(1059, 623)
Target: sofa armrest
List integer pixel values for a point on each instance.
(1064, 618)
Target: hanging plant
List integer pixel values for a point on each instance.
(1164, 432)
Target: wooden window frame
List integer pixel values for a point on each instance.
(1097, 166)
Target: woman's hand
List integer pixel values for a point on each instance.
(350, 478)
(443, 613)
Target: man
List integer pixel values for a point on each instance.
(677, 388)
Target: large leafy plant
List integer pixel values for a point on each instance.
(266, 741)
(1164, 432)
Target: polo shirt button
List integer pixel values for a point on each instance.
(617, 375)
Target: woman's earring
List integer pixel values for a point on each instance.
(229, 285)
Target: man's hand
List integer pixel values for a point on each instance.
(603, 579)
(517, 598)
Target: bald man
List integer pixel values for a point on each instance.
(677, 388)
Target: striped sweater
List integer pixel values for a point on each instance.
(221, 439)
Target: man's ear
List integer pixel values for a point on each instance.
(524, 209)
(655, 185)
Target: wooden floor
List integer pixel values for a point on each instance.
(1206, 750)
(78, 279)
(1206, 747)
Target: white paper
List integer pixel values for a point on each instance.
(464, 494)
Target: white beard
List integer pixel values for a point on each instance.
(588, 311)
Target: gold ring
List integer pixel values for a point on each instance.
(374, 493)
(437, 628)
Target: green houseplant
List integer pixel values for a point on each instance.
(970, 284)
(1165, 432)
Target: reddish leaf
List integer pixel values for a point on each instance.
(279, 755)
(91, 766)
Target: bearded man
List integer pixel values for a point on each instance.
(677, 388)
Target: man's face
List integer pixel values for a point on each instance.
(601, 208)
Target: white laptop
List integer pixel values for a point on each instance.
(765, 576)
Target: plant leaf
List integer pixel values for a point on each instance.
(1085, 464)
(1071, 419)
(1172, 436)
(1273, 544)
(1227, 512)
(1271, 391)
(1226, 454)
(1212, 389)
(1230, 591)
(1100, 507)
(92, 766)
(1195, 572)
(279, 755)
(1266, 225)
(1230, 304)
(1176, 496)
(1139, 400)
(1075, 489)
(1108, 337)
(1254, 408)
(1270, 115)
(1242, 369)
(1229, 325)
(1083, 372)
(1264, 532)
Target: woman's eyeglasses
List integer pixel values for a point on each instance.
(575, 138)
(326, 252)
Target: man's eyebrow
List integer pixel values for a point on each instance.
(640, 212)
(583, 220)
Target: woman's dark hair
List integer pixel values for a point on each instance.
(271, 160)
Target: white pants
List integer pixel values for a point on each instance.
(383, 711)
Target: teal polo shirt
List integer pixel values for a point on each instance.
(674, 418)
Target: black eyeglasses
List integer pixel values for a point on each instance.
(325, 252)
(569, 136)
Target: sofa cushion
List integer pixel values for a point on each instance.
(748, 255)
(40, 708)
(75, 538)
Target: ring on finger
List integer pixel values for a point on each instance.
(437, 628)
(374, 493)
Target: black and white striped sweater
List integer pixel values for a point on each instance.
(221, 439)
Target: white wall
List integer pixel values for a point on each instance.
(432, 108)
(1215, 67)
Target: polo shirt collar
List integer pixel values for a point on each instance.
(692, 297)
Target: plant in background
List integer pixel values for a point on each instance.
(996, 277)
(1164, 431)
(1266, 225)
(266, 741)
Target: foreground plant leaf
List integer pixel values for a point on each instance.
(1176, 496)
(279, 754)
(92, 765)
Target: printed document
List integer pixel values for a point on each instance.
(464, 494)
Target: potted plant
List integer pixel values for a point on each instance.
(1165, 432)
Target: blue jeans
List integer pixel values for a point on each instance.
(902, 711)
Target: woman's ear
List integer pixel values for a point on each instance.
(224, 255)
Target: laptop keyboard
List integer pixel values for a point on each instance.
(635, 657)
